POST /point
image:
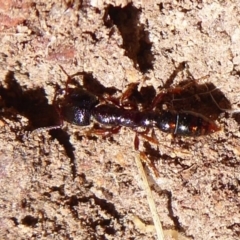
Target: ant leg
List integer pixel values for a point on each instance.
(110, 99)
(27, 134)
(122, 100)
(228, 109)
(177, 90)
(143, 155)
(174, 90)
(153, 139)
(127, 93)
(105, 132)
(60, 120)
(38, 130)
(70, 77)
(210, 91)
(157, 99)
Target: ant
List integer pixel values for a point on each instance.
(80, 107)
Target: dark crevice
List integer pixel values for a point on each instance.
(64, 139)
(94, 86)
(235, 228)
(73, 202)
(136, 40)
(29, 221)
(59, 189)
(105, 206)
(31, 103)
(236, 117)
(174, 218)
(15, 221)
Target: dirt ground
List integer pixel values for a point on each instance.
(64, 184)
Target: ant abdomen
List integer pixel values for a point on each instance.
(185, 124)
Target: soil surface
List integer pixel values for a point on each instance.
(67, 184)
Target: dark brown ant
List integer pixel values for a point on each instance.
(80, 107)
